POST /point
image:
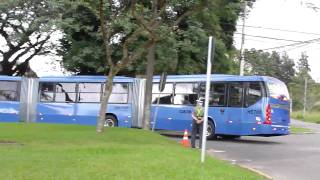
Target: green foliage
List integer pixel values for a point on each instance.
(50, 151)
(313, 117)
(298, 130)
(303, 67)
(297, 88)
(82, 43)
(181, 49)
(270, 64)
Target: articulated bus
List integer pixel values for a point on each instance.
(238, 105)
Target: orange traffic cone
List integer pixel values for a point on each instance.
(185, 141)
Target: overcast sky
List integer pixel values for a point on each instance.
(286, 15)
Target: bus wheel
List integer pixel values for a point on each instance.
(110, 121)
(211, 134)
(229, 137)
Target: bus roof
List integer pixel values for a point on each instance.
(214, 77)
(83, 79)
(10, 78)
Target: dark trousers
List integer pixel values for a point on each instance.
(195, 129)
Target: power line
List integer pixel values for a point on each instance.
(258, 40)
(294, 44)
(284, 30)
(273, 38)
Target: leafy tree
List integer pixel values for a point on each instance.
(25, 29)
(303, 67)
(270, 64)
(82, 42)
(112, 19)
(184, 48)
(297, 88)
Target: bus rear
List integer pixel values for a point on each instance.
(277, 108)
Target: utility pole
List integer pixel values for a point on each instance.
(305, 96)
(243, 38)
(211, 50)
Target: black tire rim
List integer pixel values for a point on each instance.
(209, 130)
(109, 122)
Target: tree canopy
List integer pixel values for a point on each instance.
(25, 29)
(270, 64)
(181, 45)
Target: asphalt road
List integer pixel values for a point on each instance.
(292, 157)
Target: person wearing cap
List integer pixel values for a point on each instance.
(197, 123)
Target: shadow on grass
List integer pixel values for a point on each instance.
(236, 140)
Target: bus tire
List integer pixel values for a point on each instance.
(110, 121)
(229, 137)
(211, 130)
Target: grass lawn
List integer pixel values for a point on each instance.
(313, 117)
(49, 151)
(297, 130)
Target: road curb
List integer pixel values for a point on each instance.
(241, 165)
(256, 171)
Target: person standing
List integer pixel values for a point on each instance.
(197, 123)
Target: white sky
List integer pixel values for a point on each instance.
(291, 15)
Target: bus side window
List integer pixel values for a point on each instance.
(65, 92)
(8, 91)
(253, 93)
(120, 93)
(89, 92)
(186, 93)
(217, 95)
(165, 97)
(46, 92)
(235, 95)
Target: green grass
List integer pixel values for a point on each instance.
(48, 151)
(297, 130)
(313, 117)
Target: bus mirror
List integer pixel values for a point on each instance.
(162, 83)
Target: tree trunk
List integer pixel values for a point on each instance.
(105, 99)
(6, 67)
(149, 83)
(179, 61)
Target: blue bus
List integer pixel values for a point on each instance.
(9, 98)
(76, 100)
(238, 105)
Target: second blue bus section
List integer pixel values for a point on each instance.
(238, 105)
(76, 100)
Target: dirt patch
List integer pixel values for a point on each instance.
(7, 142)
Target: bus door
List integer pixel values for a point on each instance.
(184, 100)
(88, 103)
(235, 108)
(253, 107)
(165, 111)
(217, 106)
